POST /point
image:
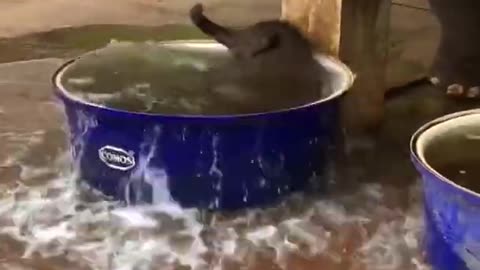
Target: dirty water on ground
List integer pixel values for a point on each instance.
(46, 223)
(370, 220)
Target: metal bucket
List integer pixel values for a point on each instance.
(215, 162)
(451, 212)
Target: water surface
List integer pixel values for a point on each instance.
(153, 78)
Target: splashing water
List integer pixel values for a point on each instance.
(50, 214)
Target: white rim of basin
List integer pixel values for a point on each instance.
(345, 78)
(437, 127)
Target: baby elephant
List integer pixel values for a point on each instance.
(271, 58)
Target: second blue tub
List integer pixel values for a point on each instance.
(452, 212)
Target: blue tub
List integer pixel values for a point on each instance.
(215, 162)
(452, 212)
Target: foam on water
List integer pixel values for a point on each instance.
(59, 216)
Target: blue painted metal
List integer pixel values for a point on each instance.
(214, 162)
(451, 213)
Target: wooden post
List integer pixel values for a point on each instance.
(317, 19)
(357, 32)
(364, 47)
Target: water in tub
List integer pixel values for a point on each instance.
(154, 79)
(49, 221)
(458, 161)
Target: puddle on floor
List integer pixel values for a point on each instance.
(48, 219)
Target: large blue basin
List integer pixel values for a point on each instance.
(216, 162)
(451, 211)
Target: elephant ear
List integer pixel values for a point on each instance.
(248, 45)
(266, 43)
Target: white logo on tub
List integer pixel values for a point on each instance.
(116, 158)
